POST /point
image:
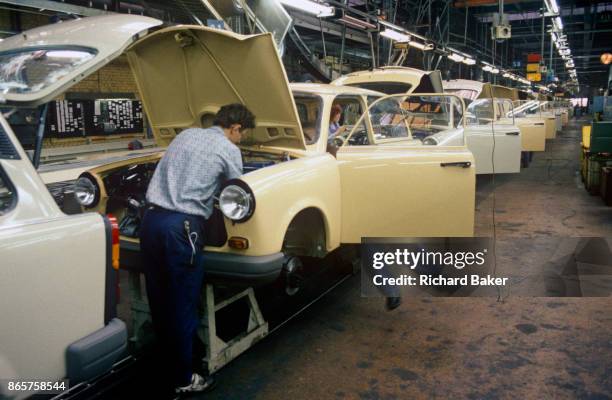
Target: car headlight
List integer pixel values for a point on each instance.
(86, 191)
(236, 201)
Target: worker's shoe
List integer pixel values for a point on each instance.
(198, 384)
(393, 303)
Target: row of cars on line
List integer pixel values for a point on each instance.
(405, 166)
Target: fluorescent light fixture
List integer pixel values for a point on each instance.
(487, 68)
(552, 6)
(469, 61)
(554, 37)
(455, 57)
(495, 71)
(356, 23)
(559, 23)
(311, 7)
(395, 35)
(507, 75)
(421, 46)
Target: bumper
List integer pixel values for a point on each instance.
(224, 268)
(95, 354)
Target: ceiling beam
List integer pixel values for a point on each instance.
(57, 7)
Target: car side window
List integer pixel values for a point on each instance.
(309, 112)
(8, 196)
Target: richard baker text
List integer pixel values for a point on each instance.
(439, 280)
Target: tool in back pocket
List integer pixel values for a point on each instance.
(192, 237)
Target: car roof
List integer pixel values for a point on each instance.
(322, 88)
(464, 84)
(391, 68)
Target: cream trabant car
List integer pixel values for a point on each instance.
(481, 138)
(58, 283)
(295, 199)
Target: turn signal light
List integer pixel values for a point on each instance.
(115, 240)
(238, 243)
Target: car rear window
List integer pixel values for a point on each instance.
(31, 70)
(384, 87)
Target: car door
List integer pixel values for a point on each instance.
(394, 185)
(508, 138)
(495, 141)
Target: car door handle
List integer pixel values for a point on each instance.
(462, 164)
(512, 133)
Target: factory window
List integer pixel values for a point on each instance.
(8, 195)
(309, 112)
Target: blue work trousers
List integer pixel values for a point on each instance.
(174, 275)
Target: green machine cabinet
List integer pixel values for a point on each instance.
(601, 137)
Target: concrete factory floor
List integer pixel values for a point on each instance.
(348, 347)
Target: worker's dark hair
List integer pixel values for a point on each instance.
(335, 110)
(234, 114)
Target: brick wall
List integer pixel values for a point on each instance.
(115, 77)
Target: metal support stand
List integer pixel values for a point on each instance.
(142, 327)
(218, 352)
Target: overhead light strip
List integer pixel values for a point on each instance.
(311, 7)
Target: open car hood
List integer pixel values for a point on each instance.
(40, 64)
(420, 81)
(504, 92)
(186, 73)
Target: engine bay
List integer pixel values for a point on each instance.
(126, 188)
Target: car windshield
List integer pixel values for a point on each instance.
(414, 117)
(526, 108)
(32, 70)
(480, 112)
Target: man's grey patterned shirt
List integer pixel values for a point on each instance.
(192, 170)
